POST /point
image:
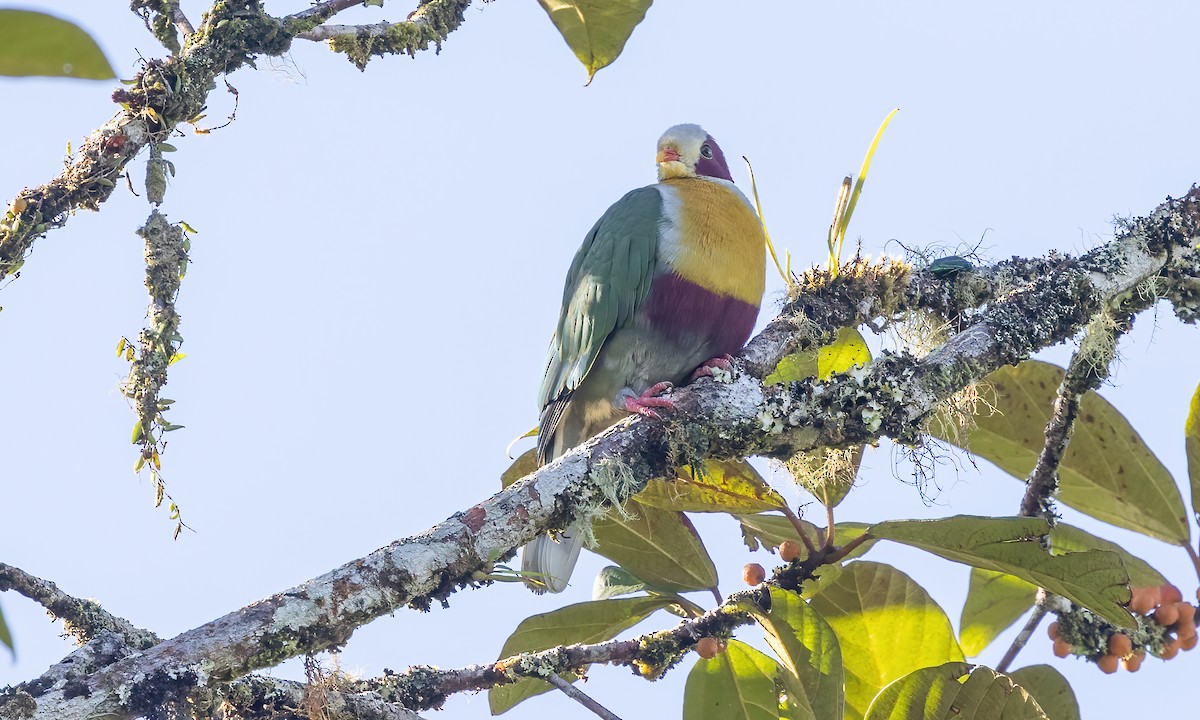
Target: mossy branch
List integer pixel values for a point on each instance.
(429, 24)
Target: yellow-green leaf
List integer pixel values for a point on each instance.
(1095, 579)
(887, 626)
(1191, 435)
(808, 652)
(596, 30)
(1051, 690)
(6, 636)
(522, 466)
(1068, 538)
(738, 684)
(846, 351)
(938, 693)
(731, 486)
(586, 622)
(661, 547)
(34, 43)
(1107, 471)
(995, 600)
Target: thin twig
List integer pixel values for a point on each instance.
(1039, 611)
(840, 553)
(581, 697)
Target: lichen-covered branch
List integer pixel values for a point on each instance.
(892, 396)
(429, 24)
(82, 619)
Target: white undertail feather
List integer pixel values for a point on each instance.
(549, 562)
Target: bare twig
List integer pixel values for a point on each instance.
(1039, 611)
(181, 21)
(325, 32)
(581, 697)
(794, 519)
(322, 11)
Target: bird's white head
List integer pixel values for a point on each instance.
(688, 151)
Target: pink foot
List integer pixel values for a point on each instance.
(645, 403)
(725, 362)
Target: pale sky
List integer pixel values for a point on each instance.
(380, 260)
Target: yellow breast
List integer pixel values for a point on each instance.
(717, 241)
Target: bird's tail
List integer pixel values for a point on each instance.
(549, 561)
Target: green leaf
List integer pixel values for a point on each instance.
(887, 626)
(1068, 538)
(6, 636)
(34, 43)
(1051, 690)
(809, 654)
(522, 466)
(596, 30)
(586, 622)
(995, 600)
(731, 486)
(936, 693)
(1095, 579)
(1191, 443)
(659, 546)
(1107, 471)
(613, 581)
(738, 684)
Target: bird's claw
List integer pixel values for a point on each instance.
(646, 403)
(707, 368)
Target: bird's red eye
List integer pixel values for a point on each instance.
(706, 151)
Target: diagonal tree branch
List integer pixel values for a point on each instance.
(892, 396)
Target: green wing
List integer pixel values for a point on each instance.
(608, 280)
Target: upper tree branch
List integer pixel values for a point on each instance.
(170, 92)
(892, 396)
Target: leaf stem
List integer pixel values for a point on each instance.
(1195, 558)
(840, 553)
(799, 525)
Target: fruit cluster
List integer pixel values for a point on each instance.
(1166, 625)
